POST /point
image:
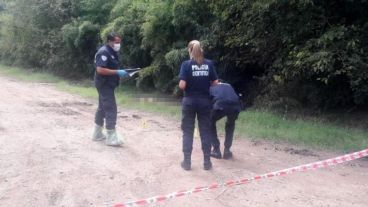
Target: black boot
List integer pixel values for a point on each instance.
(186, 163)
(227, 154)
(216, 153)
(207, 165)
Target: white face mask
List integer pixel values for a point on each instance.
(116, 47)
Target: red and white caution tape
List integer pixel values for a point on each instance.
(230, 183)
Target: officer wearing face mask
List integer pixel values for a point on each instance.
(107, 78)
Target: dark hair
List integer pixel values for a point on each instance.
(111, 36)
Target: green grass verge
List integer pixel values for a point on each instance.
(28, 75)
(125, 95)
(320, 134)
(251, 123)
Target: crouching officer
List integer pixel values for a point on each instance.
(225, 103)
(196, 76)
(107, 78)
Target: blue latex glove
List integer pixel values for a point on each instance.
(122, 73)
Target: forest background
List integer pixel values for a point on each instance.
(286, 54)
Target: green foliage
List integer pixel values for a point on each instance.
(95, 11)
(81, 36)
(174, 58)
(310, 52)
(157, 30)
(127, 18)
(145, 80)
(279, 53)
(335, 62)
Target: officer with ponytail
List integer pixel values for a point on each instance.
(196, 76)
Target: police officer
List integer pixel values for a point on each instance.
(196, 76)
(225, 103)
(107, 78)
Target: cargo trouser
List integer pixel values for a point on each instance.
(193, 107)
(231, 116)
(107, 109)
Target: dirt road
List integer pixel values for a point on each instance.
(48, 159)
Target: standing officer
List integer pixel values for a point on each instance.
(196, 76)
(107, 78)
(226, 103)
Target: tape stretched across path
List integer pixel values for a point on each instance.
(301, 168)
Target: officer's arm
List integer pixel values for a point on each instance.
(182, 84)
(106, 71)
(215, 82)
(183, 76)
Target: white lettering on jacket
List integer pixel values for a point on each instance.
(197, 71)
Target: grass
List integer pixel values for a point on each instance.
(258, 124)
(320, 134)
(125, 95)
(28, 75)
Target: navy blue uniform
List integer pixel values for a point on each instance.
(225, 103)
(197, 102)
(106, 57)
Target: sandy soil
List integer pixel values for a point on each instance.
(48, 159)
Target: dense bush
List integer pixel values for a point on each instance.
(279, 53)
